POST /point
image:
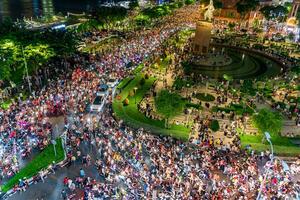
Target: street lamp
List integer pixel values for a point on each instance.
(268, 138)
(26, 70)
(285, 166)
(135, 89)
(187, 85)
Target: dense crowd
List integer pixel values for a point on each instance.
(138, 165)
(132, 164)
(71, 86)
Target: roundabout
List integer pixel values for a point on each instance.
(237, 64)
(154, 116)
(212, 60)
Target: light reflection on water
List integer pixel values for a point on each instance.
(33, 8)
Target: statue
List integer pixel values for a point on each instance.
(209, 13)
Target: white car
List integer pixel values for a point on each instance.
(100, 99)
(98, 103)
(112, 82)
(102, 90)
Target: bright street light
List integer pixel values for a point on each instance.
(268, 138)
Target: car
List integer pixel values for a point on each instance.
(98, 103)
(102, 90)
(112, 82)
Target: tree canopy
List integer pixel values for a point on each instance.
(38, 47)
(245, 6)
(109, 15)
(275, 12)
(268, 121)
(169, 104)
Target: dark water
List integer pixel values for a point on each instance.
(33, 8)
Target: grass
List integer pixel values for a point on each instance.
(180, 83)
(138, 69)
(6, 104)
(124, 83)
(278, 150)
(41, 161)
(131, 115)
(283, 146)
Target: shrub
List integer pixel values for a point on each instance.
(126, 102)
(179, 83)
(193, 105)
(226, 110)
(180, 4)
(214, 125)
(119, 97)
(202, 97)
(142, 81)
(188, 2)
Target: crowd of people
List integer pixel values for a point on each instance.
(138, 165)
(132, 164)
(72, 84)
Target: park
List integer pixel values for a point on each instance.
(150, 100)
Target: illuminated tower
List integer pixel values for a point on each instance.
(48, 8)
(4, 9)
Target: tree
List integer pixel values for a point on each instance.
(142, 20)
(188, 2)
(39, 47)
(133, 4)
(245, 6)
(5, 70)
(218, 4)
(168, 105)
(274, 12)
(109, 15)
(38, 54)
(231, 26)
(268, 121)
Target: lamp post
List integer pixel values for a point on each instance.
(135, 89)
(268, 138)
(26, 70)
(187, 85)
(54, 146)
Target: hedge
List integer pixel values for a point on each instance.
(203, 97)
(214, 125)
(134, 118)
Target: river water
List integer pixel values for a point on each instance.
(32, 8)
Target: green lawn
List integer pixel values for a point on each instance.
(6, 104)
(41, 161)
(124, 83)
(134, 118)
(138, 69)
(283, 146)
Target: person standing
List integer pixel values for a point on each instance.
(82, 173)
(64, 195)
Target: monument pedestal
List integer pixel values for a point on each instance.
(202, 37)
